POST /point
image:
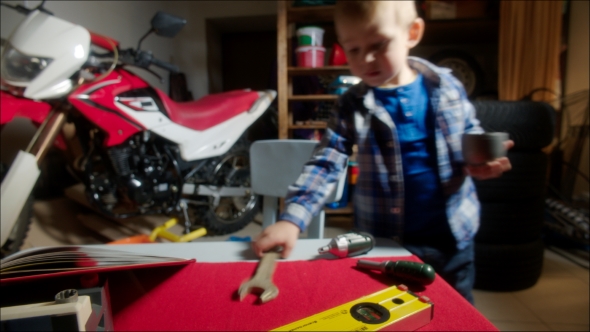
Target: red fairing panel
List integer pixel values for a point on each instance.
(103, 41)
(36, 111)
(96, 101)
(210, 110)
(12, 106)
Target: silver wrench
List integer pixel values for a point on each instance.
(262, 280)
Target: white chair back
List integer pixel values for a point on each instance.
(274, 166)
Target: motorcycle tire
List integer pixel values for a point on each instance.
(54, 177)
(464, 66)
(525, 180)
(21, 226)
(529, 124)
(242, 210)
(511, 222)
(508, 268)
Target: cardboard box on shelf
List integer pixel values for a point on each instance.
(449, 10)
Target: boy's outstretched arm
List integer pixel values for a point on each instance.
(282, 233)
(492, 169)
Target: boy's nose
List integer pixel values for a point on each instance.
(370, 57)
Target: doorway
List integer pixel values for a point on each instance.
(241, 53)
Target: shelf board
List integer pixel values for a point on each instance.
(323, 125)
(327, 70)
(311, 14)
(313, 97)
(345, 210)
(461, 31)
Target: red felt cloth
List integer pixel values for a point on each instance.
(203, 296)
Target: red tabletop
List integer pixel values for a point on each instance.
(203, 296)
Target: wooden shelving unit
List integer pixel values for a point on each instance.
(345, 210)
(300, 71)
(287, 18)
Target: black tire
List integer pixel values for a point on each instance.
(242, 209)
(525, 180)
(511, 222)
(54, 177)
(529, 124)
(464, 67)
(507, 268)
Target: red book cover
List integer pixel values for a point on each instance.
(61, 261)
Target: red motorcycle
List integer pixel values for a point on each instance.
(139, 152)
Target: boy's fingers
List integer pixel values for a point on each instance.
(262, 244)
(287, 248)
(505, 164)
(508, 144)
(482, 172)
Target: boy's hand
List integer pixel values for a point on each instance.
(491, 169)
(283, 233)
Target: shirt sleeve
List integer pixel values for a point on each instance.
(471, 122)
(307, 196)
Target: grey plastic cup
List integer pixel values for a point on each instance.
(480, 148)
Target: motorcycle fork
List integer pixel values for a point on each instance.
(47, 133)
(22, 175)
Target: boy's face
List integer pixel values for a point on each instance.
(376, 50)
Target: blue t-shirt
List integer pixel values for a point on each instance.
(411, 111)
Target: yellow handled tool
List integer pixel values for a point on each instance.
(162, 231)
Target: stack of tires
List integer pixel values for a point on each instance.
(508, 245)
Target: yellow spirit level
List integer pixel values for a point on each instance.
(392, 306)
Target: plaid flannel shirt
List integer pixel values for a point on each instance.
(379, 193)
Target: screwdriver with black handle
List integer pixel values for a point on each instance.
(415, 272)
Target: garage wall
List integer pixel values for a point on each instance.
(577, 49)
(191, 43)
(578, 73)
(125, 21)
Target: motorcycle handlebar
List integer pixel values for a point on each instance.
(165, 65)
(144, 59)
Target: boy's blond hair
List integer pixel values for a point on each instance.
(363, 10)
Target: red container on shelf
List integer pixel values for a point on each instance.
(310, 56)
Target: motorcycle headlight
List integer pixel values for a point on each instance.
(19, 67)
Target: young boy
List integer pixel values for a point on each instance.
(407, 117)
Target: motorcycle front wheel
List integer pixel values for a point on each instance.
(231, 214)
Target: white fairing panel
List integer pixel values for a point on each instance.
(15, 190)
(149, 118)
(67, 44)
(216, 140)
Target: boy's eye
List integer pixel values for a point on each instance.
(353, 51)
(380, 45)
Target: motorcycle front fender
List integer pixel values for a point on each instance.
(36, 111)
(13, 107)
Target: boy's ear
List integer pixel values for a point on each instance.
(415, 32)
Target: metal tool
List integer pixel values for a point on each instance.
(415, 272)
(349, 244)
(262, 280)
(395, 307)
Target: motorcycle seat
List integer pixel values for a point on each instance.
(210, 110)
